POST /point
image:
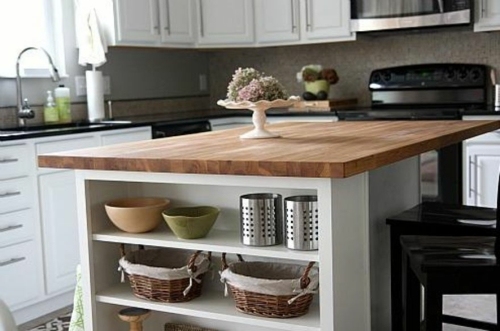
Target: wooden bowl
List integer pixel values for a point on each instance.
(191, 222)
(136, 215)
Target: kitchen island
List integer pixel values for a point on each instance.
(361, 172)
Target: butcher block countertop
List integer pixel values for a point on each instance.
(306, 149)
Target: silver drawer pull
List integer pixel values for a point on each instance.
(11, 227)
(12, 261)
(9, 194)
(8, 160)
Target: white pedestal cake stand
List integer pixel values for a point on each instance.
(259, 114)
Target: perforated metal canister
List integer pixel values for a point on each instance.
(261, 219)
(302, 222)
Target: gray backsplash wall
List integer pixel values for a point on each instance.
(354, 60)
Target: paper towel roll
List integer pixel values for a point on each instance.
(95, 95)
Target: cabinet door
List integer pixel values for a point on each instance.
(487, 15)
(137, 21)
(225, 22)
(125, 136)
(482, 175)
(19, 274)
(177, 21)
(326, 19)
(60, 229)
(277, 20)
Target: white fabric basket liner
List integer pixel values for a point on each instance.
(270, 278)
(163, 264)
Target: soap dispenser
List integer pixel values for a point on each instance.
(63, 103)
(50, 112)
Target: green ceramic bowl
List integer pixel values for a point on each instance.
(191, 222)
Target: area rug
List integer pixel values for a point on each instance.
(60, 323)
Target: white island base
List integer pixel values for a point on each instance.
(353, 254)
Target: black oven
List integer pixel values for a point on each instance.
(428, 92)
(370, 15)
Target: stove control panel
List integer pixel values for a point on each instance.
(430, 76)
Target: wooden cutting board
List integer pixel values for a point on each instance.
(323, 105)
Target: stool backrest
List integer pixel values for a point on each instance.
(497, 229)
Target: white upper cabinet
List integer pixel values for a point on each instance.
(225, 22)
(137, 21)
(177, 21)
(327, 19)
(280, 22)
(277, 20)
(487, 15)
(157, 23)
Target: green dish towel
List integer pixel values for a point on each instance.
(76, 323)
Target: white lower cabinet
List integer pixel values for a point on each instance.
(60, 234)
(20, 274)
(39, 247)
(481, 163)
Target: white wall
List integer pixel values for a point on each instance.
(134, 73)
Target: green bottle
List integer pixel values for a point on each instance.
(50, 112)
(63, 103)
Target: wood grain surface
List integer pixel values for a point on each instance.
(306, 149)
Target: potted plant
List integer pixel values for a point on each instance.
(317, 81)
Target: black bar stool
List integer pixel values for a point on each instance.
(450, 265)
(430, 219)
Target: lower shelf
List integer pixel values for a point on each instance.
(211, 305)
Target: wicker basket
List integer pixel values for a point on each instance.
(183, 327)
(164, 290)
(267, 305)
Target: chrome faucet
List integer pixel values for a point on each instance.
(24, 109)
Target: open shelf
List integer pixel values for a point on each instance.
(210, 305)
(216, 241)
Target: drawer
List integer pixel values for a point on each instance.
(19, 274)
(492, 137)
(15, 194)
(69, 143)
(126, 136)
(14, 161)
(16, 227)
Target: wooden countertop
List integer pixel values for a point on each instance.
(306, 149)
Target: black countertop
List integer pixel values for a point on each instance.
(27, 132)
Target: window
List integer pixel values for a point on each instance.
(25, 23)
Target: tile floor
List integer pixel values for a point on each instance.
(480, 307)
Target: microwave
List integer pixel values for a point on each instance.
(375, 15)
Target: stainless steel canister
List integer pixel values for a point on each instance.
(261, 219)
(302, 222)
